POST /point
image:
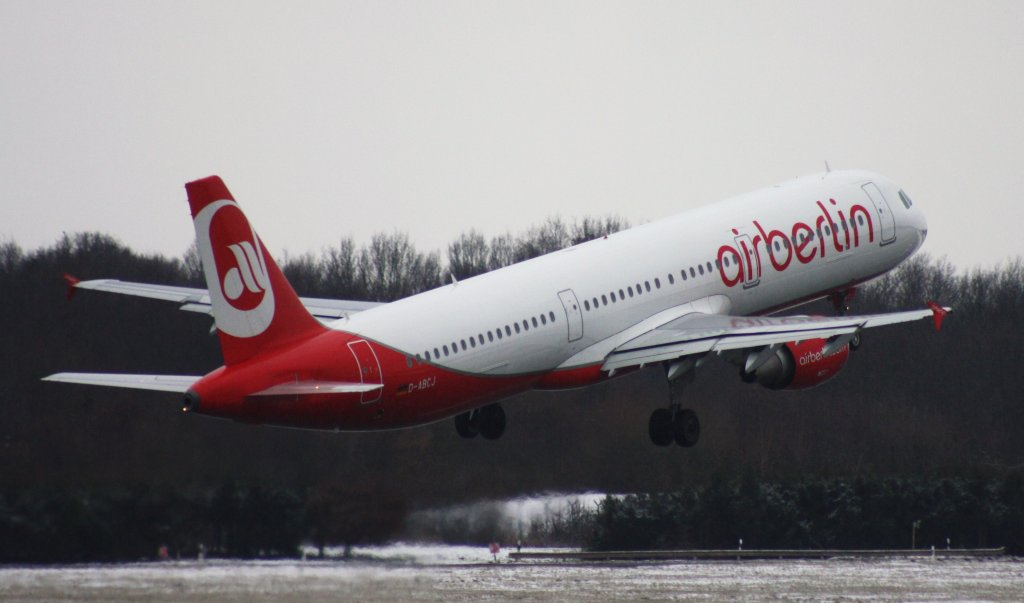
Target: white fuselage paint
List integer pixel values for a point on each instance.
(481, 305)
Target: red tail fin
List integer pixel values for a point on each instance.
(255, 308)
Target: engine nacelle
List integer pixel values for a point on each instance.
(800, 366)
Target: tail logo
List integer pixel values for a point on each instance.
(235, 269)
(249, 275)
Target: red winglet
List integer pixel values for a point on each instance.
(72, 282)
(938, 313)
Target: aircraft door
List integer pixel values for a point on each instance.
(573, 314)
(369, 369)
(886, 221)
(750, 260)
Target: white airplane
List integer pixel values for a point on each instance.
(672, 293)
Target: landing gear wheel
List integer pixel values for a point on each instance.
(466, 426)
(685, 428)
(660, 427)
(491, 421)
(855, 342)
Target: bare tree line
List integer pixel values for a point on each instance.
(911, 402)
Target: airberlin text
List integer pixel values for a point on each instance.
(743, 261)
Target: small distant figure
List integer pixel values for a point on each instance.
(495, 549)
(202, 552)
(161, 552)
(519, 545)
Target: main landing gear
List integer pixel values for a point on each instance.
(841, 302)
(675, 423)
(488, 421)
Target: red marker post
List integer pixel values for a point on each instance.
(495, 549)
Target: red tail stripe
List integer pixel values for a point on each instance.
(205, 191)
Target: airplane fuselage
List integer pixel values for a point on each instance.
(551, 321)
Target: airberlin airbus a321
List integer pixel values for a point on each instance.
(673, 293)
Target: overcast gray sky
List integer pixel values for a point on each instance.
(329, 119)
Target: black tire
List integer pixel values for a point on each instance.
(465, 426)
(685, 428)
(492, 421)
(855, 343)
(660, 427)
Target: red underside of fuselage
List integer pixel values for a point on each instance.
(413, 392)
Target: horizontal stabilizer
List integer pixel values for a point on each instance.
(160, 383)
(296, 388)
(198, 300)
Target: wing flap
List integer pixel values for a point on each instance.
(161, 383)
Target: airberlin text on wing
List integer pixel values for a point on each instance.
(802, 241)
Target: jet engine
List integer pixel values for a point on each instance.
(799, 365)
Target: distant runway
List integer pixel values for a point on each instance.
(465, 575)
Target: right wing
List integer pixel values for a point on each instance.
(198, 300)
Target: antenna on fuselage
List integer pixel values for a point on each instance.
(828, 170)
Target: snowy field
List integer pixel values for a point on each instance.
(450, 574)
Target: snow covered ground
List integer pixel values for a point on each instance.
(451, 574)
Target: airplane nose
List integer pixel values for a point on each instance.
(915, 218)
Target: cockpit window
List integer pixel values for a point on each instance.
(906, 200)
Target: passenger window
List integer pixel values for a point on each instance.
(657, 283)
(612, 295)
(472, 342)
(693, 273)
(534, 320)
(596, 304)
(526, 325)
(463, 342)
(490, 336)
(604, 300)
(516, 325)
(682, 273)
(671, 279)
(543, 319)
(630, 290)
(647, 285)
(445, 348)
(700, 268)
(710, 269)
(639, 290)
(586, 305)
(551, 315)
(622, 294)
(508, 331)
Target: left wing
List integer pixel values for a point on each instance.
(702, 333)
(198, 300)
